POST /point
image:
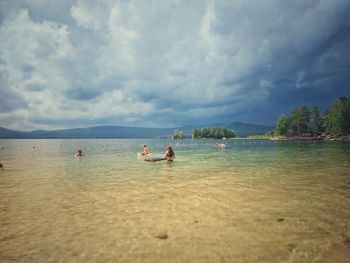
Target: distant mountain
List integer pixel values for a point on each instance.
(7, 134)
(241, 129)
(91, 132)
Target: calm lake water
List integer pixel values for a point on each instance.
(254, 201)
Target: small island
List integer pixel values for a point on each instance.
(214, 132)
(178, 134)
(207, 132)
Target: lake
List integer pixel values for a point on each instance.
(254, 201)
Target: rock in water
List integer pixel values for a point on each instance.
(162, 235)
(1, 165)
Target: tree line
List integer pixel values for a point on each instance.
(304, 121)
(214, 132)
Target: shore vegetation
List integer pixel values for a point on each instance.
(178, 134)
(213, 132)
(305, 122)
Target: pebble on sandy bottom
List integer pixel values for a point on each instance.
(347, 241)
(162, 234)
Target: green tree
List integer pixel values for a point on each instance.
(336, 120)
(178, 134)
(315, 120)
(299, 120)
(283, 126)
(205, 132)
(216, 133)
(271, 133)
(195, 133)
(229, 133)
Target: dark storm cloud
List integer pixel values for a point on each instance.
(9, 99)
(83, 94)
(170, 62)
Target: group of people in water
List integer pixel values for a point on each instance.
(169, 153)
(168, 156)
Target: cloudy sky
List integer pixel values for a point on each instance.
(79, 63)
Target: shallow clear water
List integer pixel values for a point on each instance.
(255, 201)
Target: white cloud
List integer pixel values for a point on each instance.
(92, 15)
(31, 54)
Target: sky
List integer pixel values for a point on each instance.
(81, 63)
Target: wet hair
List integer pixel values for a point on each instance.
(170, 151)
(144, 145)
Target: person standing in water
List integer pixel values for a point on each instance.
(169, 154)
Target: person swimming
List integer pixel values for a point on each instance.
(79, 153)
(221, 145)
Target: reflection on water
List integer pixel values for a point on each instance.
(255, 201)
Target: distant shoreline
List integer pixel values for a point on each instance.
(312, 138)
(254, 137)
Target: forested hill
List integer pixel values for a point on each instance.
(241, 129)
(6, 133)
